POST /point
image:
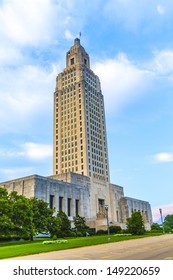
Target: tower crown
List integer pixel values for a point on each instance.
(77, 55)
(76, 41)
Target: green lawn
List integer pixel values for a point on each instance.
(13, 249)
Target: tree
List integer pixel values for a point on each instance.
(65, 226)
(21, 215)
(168, 221)
(55, 227)
(135, 224)
(80, 225)
(6, 225)
(41, 215)
(156, 226)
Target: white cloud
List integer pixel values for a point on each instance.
(35, 23)
(163, 157)
(37, 151)
(166, 210)
(160, 9)
(69, 35)
(15, 172)
(121, 80)
(29, 150)
(124, 80)
(39, 22)
(27, 22)
(162, 63)
(25, 92)
(10, 55)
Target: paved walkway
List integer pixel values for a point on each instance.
(150, 248)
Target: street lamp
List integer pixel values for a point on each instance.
(162, 220)
(106, 209)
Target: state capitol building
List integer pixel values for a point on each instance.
(80, 184)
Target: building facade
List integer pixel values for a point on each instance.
(80, 143)
(80, 183)
(71, 193)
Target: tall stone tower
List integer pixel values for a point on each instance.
(80, 142)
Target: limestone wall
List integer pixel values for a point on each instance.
(116, 193)
(128, 205)
(23, 186)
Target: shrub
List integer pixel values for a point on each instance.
(13, 238)
(79, 234)
(156, 231)
(54, 237)
(115, 229)
(101, 232)
(72, 234)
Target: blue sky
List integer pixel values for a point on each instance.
(130, 44)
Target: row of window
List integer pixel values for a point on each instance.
(69, 73)
(68, 82)
(61, 205)
(66, 76)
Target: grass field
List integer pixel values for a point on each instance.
(14, 249)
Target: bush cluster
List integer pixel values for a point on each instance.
(112, 230)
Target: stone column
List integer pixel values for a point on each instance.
(65, 201)
(47, 194)
(81, 210)
(73, 212)
(56, 203)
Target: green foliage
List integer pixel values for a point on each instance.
(5, 213)
(168, 221)
(115, 229)
(135, 224)
(3, 193)
(167, 228)
(80, 225)
(79, 234)
(54, 227)
(42, 215)
(156, 226)
(101, 232)
(21, 217)
(65, 225)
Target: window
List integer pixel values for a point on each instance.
(69, 206)
(77, 207)
(72, 61)
(117, 216)
(60, 203)
(101, 204)
(51, 201)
